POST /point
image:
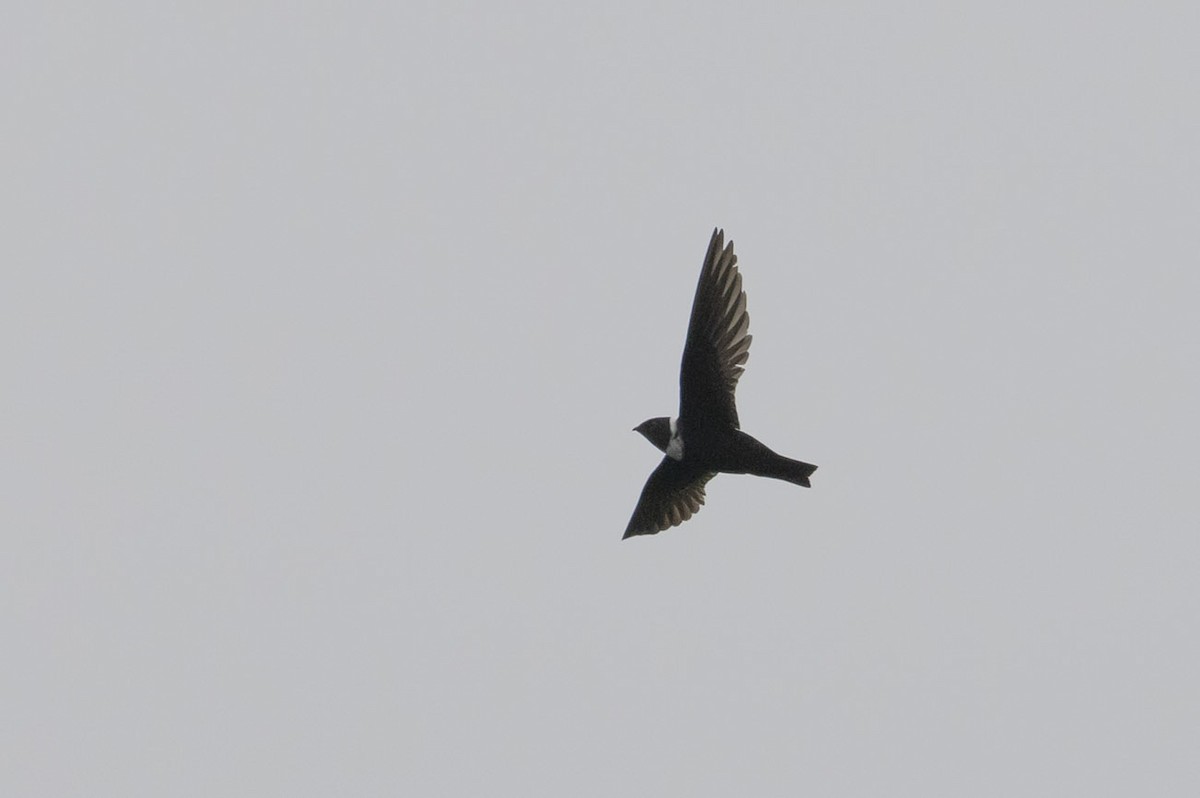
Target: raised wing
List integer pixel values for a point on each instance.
(673, 494)
(718, 341)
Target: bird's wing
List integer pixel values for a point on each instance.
(673, 494)
(718, 341)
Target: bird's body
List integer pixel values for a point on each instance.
(706, 439)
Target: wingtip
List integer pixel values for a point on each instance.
(632, 531)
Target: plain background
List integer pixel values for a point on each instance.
(324, 328)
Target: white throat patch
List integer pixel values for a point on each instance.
(675, 445)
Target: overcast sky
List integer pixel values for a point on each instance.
(324, 330)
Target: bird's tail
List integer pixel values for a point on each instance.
(792, 471)
(757, 459)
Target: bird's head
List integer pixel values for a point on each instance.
(656, 430)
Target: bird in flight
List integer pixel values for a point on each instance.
(705, 439)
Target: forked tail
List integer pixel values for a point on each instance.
(755, 458)
(792, 471)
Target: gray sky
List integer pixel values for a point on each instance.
(324, 330)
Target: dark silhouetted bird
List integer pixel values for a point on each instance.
(705, 439)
